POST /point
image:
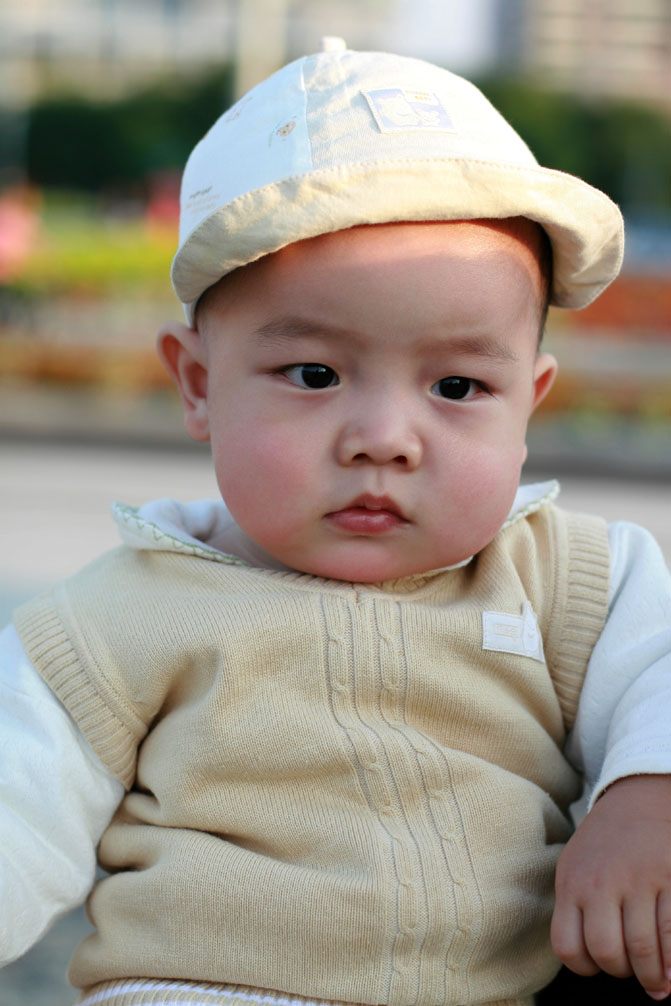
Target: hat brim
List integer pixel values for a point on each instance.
(584, 226)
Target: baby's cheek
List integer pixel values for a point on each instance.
(266, 485)
(496, 474)
(482, 492)
(286, 464)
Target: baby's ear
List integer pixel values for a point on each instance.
(545, 371)
(182, 352)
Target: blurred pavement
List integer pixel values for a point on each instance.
(54, 501)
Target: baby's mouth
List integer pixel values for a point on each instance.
(369, 515)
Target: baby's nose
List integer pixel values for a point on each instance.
(380, 439)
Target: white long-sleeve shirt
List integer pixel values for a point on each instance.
(57, 798)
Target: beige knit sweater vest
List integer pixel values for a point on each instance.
(334, 790)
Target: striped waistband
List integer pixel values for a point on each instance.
(154, 992)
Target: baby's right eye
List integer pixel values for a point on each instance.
(314, 376)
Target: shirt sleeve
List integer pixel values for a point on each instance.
(56, 799)
(623, 716)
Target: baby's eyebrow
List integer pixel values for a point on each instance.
(482, 345)
(291, 327)
(282, 330)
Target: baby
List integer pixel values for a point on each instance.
(326, 734)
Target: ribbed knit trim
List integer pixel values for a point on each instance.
(47, 645)
(153, 992)
(587, 581)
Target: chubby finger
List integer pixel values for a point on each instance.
(664, 930)
(639, 925)
(568, 943)
(604, 939)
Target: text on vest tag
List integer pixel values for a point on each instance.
(505, 633)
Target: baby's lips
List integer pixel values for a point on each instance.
(368, 501)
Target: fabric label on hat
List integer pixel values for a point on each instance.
(398, 110)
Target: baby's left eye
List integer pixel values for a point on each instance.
(457, 388)
(314, 376)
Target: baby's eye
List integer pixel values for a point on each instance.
(457, 388)
(311, 375)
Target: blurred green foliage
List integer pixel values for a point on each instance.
(621, 147)
(79, 143)
(83, 253)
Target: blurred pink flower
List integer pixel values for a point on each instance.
(19, 229)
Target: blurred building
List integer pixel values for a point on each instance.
(602, 47)
(104, 46)
(108, 46)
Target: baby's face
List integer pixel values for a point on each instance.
(367, 392)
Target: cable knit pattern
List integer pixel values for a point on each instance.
(334, 791)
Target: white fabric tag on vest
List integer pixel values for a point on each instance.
(398, 110)
(504, 633)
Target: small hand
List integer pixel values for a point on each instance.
(613, 885)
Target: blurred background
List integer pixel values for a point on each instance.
(101, 102)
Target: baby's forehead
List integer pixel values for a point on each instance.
(336, 275)
(386, 244)
(465, 237)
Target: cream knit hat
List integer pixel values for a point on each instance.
(343, 138)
